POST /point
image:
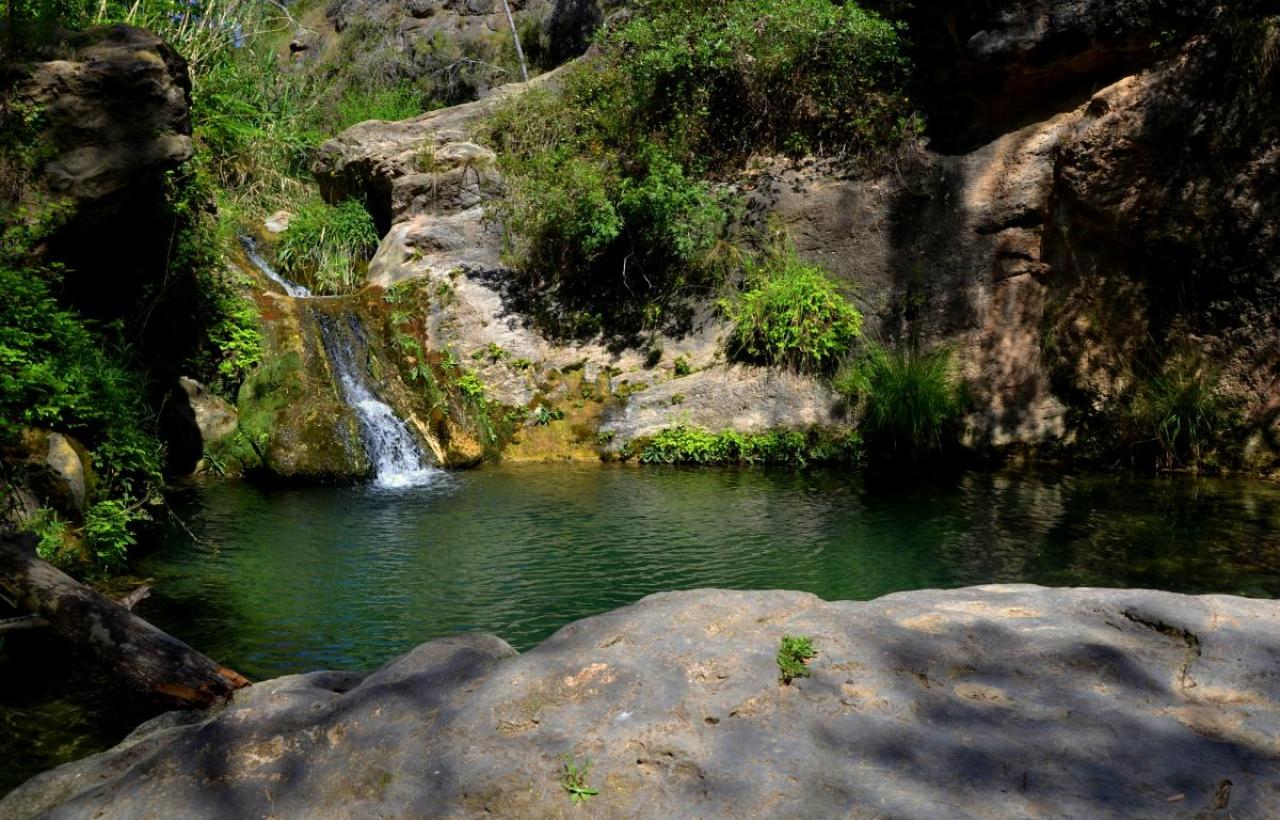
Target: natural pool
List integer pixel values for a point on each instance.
(291, 580)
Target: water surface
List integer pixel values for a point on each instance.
(289, 580)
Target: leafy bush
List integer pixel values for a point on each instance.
(1180, 409)
(609, 200)
(108, 530)
(693, 445)
(55, 372)
(326, 245)
(911, 400)
(792, 315)
(729, 77)
(58, 371)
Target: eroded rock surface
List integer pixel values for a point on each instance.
(1002, 701)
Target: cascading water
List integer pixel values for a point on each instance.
(397, 459)
(394, 452)
(255, 256)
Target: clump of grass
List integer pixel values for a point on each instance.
(573, 779)
(910, 399)
(791, 315)
(1180, 408)
(327, 246)
(793, 653)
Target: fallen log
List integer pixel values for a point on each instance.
(145, 657)
(36, 622)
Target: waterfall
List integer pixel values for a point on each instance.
(397, 459)
(255, 256)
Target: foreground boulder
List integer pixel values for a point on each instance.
(1000, 701)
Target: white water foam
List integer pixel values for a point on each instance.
(291, 288)
(394, 452)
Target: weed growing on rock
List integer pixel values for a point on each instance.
(1181, 411)
(793, 652)
(573, 779)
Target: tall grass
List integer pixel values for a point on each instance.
(1181, 410)
(327, 246)
(910, 399)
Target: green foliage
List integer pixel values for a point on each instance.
(1180, 408)
(681, 367)
(609, 201)
(793, 652)
(52, 532)
(730, 78)
(328, 245)
(398, 102)
(573, 779)
(693, 445)
(911, 399)
(544, 415)
(108, 530)
(791, 315)
(58, 371)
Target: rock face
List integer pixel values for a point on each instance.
(426, 182)
(113, 109)
(1049, 242)
(460, 49)
(987, 67)
(1003, 701)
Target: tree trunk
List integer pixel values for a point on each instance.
(148, 659)
(515, 36)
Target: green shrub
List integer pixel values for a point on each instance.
(108, 530)
(609, 200)
(792, 315)
(693, 445)
(911, 401)
(58, 373)
(725, 79)
(1180, 409)
(793, 652)
(327, 246)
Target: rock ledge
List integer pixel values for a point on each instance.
(997, 701)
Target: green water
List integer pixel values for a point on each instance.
(290, 580)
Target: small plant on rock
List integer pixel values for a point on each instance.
(793, 653)
(573, 779)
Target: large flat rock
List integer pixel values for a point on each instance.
(999, 701)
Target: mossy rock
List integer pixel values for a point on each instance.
(295, 427)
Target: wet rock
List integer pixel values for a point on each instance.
(1000, 701)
